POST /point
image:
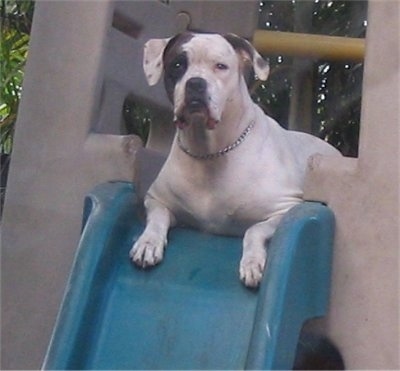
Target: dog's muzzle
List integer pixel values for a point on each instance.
(195, 109)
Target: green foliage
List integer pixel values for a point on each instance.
(337, 93)
(337, 85)
(137, 118)
(16, 19)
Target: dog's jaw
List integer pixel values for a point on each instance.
(197, 109)
(200, 116)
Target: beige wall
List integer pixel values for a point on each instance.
(55, 162)
(364, 194)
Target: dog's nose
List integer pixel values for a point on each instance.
(196, 84)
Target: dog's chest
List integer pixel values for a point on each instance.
(221, 204)
(216, 214)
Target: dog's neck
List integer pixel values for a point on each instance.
(238, 114)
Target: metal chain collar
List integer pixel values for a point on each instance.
(224, 151)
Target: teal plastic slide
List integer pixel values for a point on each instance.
(191, 311)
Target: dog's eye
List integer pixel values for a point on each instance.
(179, 63)
(177, 68)
(221, 66)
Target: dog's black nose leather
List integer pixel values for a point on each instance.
(196, 84)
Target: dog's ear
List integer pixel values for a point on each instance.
(153, 59)
(249, 57)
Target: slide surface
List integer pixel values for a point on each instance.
(191, 311)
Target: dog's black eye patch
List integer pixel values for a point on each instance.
(174, 70)
(177, 68)
(175, 61)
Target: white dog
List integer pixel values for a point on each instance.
(231, 170)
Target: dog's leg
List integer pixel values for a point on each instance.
(254, 250)
(149, 248)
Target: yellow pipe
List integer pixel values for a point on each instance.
(311, 46)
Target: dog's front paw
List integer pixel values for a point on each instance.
(147, 251)
(252, 268)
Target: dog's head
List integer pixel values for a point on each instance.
(201, 73)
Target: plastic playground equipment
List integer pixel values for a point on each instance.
(191, 312)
